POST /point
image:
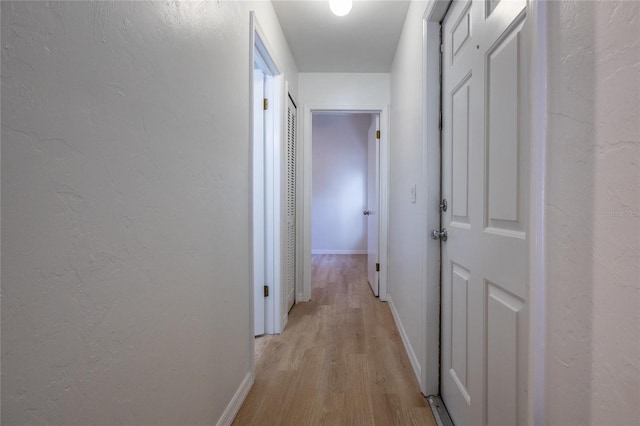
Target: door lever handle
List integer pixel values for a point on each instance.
(366, 212)
(439, 235)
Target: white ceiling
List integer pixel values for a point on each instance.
(363, 41)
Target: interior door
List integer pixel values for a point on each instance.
(290, 241)
(372, 211)
(258, 203)
(485, 181)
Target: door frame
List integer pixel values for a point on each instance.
(304, 291)
(258, 198)
(431, 157)
(273, 165)
(536, 38)
(373, 177)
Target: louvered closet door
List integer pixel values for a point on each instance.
(290, 241)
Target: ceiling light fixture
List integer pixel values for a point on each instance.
(340, 7)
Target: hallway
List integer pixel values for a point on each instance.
(339, 361)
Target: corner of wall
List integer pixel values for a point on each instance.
(229, 414)
(415, 364)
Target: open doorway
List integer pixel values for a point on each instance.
(379, 207)
(267, 110)
(266, 137)
(345, 170)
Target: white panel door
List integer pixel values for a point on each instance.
(485, 181)
(290, 240)
(373, 207)
(259, 271)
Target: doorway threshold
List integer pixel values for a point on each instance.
(440, 413)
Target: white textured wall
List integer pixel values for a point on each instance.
(593, 214)
(405, 218)
(125, 246)
(339, 183)
(344, 89)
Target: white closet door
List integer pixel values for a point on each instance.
(290, 241)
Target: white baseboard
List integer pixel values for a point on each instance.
(405, 340)
(236, 402)
(338, 252)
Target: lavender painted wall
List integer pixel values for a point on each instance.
(339, 183)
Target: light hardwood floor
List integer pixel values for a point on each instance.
(340, 360)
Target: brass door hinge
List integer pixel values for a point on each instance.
(266, 104)
(377, 266)
(377, 134)
(266, 291)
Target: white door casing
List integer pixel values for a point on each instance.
(259, 274)
(272, 204)
(485, 177)
(267, 220)
(304, 291)
(373, 205)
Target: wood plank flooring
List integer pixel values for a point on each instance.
(339, 361)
